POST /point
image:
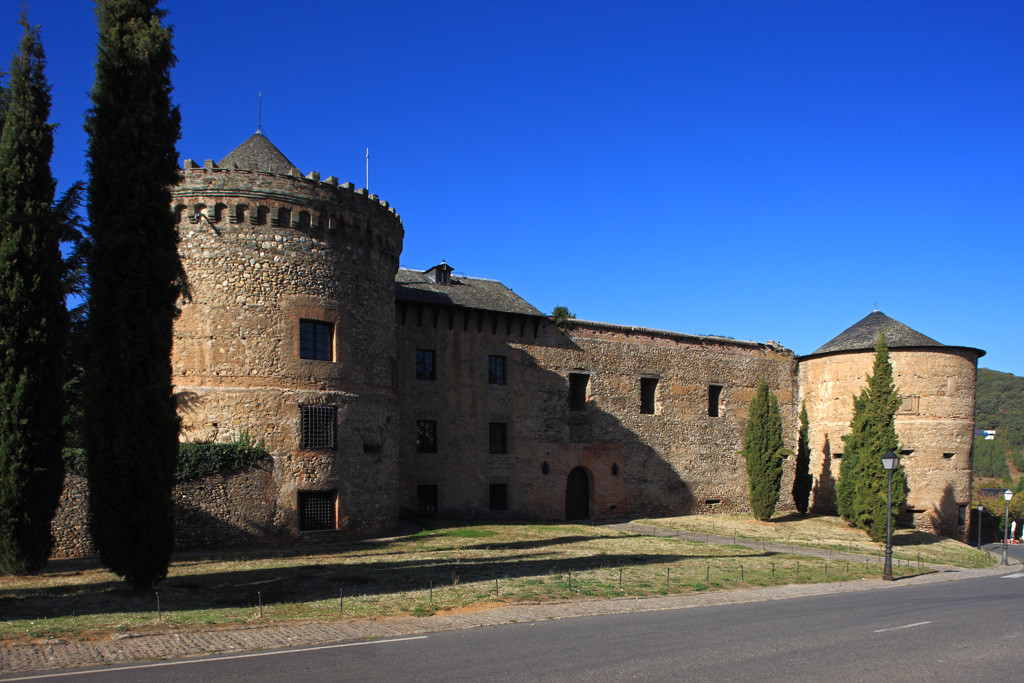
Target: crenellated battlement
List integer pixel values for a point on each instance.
(238, 197)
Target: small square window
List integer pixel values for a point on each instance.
(496, 369)
(318, 510)
(316, 340)
(498, 437)
(426, 498)
(426, 436)
(837, 456)
(499, 496)
(426, 364)
(714, 398)
(948, 456)
(648, 387)
(318, 427)
(578, 391)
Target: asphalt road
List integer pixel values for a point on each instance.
(965, 630)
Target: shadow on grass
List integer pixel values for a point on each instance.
(314, 582)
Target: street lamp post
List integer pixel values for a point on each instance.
(1007, 494)
(890, 461)
(979, 525)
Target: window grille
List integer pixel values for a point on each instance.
(318, 510)
(426, 498)
(318, 427)
(426, 436)
(315, 340)
(426, 364)
(496, 369)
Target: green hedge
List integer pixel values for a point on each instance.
(195, 460)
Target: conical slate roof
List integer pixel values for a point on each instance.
(862, 336)
(258, 154)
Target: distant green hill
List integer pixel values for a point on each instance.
(1000, 406)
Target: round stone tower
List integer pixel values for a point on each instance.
(289, 334)
(935, 423)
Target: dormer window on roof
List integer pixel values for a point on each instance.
(441, 274)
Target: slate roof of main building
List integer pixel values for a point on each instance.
(415, 286)
(862, 335)
(258, 154)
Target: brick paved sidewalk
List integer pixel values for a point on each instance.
(58, 654)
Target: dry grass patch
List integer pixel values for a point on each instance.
(832, 533)
(448, 569)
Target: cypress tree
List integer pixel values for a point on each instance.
(762, 449)
(33, 320)
(135, 277)
(803, 481)
(863, 493)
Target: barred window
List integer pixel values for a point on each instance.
(496, 369)
(426, 498)
(426, 364)
(426, 436)
(318, 510)
(315, 340)
(318, 427)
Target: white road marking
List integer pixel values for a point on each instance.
(213, 659)
(1015, 575)
(897, 628)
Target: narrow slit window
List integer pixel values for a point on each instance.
(648, 387)
(714, 399)
(578, 391)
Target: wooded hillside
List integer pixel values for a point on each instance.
(1000, 406)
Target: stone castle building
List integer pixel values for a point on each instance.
(382, 391)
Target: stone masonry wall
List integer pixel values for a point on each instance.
(936, 423)
(264, 251)
(675, 461)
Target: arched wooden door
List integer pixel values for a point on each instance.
(577, 494)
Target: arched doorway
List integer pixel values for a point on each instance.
(577, 494)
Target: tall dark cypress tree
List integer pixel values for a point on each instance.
(33, 320)
(135, 274)
(762, 449)
(803, 480)
(862, 487)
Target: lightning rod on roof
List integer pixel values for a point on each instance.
(367, 169)
(259, 114)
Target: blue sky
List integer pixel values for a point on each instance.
(759, 170)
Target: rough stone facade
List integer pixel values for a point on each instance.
(935, 425)
(381, 390)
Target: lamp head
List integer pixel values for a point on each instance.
(890, 460)
(1007, 494)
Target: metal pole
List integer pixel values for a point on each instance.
(979, 526)
(887, 573)
(1006, 529)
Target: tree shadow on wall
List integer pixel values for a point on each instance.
(825, 485)
(944, 513)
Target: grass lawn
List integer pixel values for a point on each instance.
(452, 567)
(832, 533)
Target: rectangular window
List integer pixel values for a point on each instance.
(426, 498)
(499, 496)
(318, 510)
(426, 364)
(318, 427)
(498, 437)
(496, 369)
(316, 340)
(578, 391)
(714, 397)
(948, 456)
(426, 436)
(648, 385)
